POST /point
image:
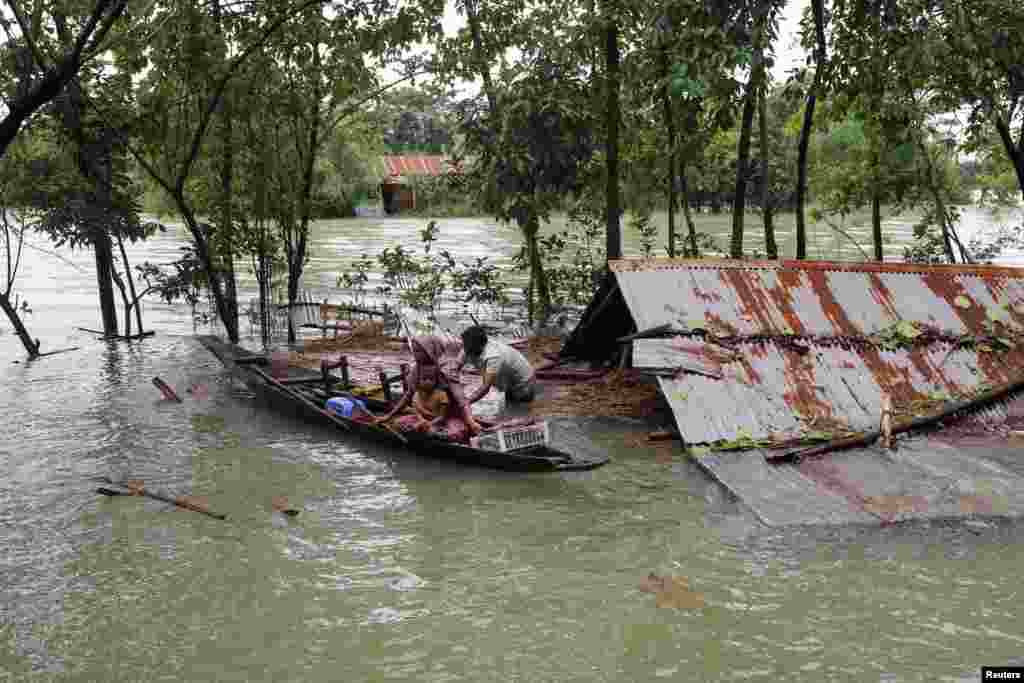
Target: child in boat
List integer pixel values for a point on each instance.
(434, 358)
(435, 411)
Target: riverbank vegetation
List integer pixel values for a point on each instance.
(247, 121)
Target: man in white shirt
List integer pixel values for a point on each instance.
(500, 365)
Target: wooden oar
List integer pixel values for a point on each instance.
(296, 395)
(135, 488)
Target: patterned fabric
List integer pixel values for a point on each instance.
(438, 355)
(453, 429)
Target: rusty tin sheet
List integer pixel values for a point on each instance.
(774, 390)
(817, 298)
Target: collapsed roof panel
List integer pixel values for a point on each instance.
(800, 354)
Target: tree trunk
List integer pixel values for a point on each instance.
(539, 289)
(770, 247)
(876, 224)
(94, 166)
(691, 228)
(225, 238)
(1016, 154)
(136, 302)
(296, 264)
(104, 280)
(226, 243)
(670, 132)
(103, 169)
(473, 20)
(213, 274)
(940, 204)
(818, 9)
(613, 238)
(32, 347)
(801, 178)
(125, 303)
(739, 200)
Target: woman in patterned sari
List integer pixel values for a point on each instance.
(437, 362)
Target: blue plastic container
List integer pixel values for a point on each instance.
(343, 405)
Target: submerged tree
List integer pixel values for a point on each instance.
(14, 223)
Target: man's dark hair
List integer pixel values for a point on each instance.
(474, 339)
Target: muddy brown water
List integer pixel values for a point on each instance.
(406, 569)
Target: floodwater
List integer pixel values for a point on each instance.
(404, 569)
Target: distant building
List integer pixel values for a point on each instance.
(398, 186)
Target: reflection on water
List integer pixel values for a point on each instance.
(400, 568)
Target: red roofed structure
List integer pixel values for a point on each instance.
(397, 191)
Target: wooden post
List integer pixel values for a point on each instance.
(325, 368)
(626, 356)
(404, 369)
(384, 384)
(885, 428)
(325, 375)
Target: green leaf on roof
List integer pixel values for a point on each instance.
(907, 330)
(698, 451)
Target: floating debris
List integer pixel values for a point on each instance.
(621, 393)
(672, 591)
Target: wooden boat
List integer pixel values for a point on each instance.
(302, 392)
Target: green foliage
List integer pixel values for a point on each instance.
(356, 280)
(901, 334)
(524, 163)
(420, 281)
(181, 280)
(574, 258)
(641, 222)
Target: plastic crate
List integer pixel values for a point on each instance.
(514, 438)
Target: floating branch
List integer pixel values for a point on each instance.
(166, 390)
(135, 488)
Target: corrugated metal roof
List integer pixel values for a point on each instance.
(415, 165)
(773, 388)
(815, 297)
